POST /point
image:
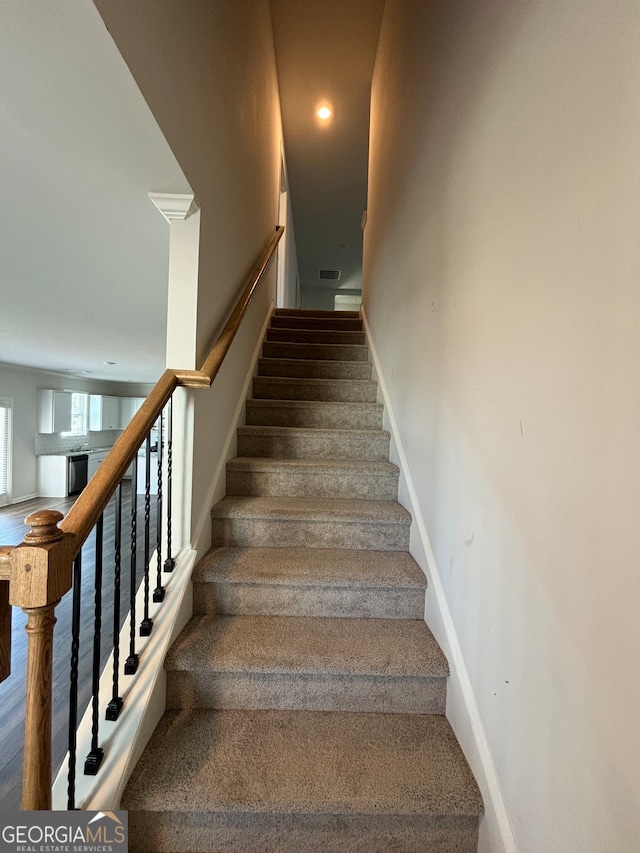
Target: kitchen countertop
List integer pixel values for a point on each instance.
(77, 452)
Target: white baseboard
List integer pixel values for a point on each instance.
(22, 499)
(496, 832)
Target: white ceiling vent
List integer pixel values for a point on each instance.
(330, 275)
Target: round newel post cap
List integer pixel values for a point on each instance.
(44, 527)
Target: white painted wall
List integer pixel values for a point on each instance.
(502, 265)
(22, 385)
(207, 71)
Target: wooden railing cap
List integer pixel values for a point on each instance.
(44, 527)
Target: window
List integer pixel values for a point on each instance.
(78, 415)
(347, 302)
(5, 450)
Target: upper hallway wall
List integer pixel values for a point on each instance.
(502, 273)
(207, 70)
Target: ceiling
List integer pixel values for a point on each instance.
(83, 252)
(325, 51)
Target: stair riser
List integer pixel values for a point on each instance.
(342, 324)
(316, 446)
(308, 369)
(245, 832)
(278, 349)
(307, 692)
(313, 312)
(315, 336)
(345, 391)
(333, 484)
(253, 599)
(269, 533)
(322, 416)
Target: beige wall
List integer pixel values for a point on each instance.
(207, 71)
(502, 275)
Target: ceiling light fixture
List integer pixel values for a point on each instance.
(109, 362)
(324, 112)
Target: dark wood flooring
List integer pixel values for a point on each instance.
(12, 690)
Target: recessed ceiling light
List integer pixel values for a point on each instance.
(109, 362)
(324, 112)
(85, 371)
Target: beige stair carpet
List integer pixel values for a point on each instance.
(306, 697)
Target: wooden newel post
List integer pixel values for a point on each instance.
(40, 575)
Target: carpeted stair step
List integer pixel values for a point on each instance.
(284, 663)
(331, 390)
(309, 582)
(310, 522)
(315, 369)
(314, 414)
(292, 781)
(312, 312)
(338, 324)
(316, 336)
(300, 443)
(313, 478)
(334, 352)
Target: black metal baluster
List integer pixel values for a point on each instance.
(147, 624)
(169, 563)
(73, 680)
(94, 758)
(131, 664)
(115, 705)
(158, 593)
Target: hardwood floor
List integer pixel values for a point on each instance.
(12, 690)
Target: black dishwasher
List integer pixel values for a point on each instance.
(77, 471)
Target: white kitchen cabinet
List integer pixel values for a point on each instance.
(104, 412)
(97, 457)
(54, 411)
(94, 462)
(128, 407)
(52, 476)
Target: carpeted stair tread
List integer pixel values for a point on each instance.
(316, 336)
(313, 442)
(337, 352)
(321, 478)
(296, 645)
(314, 413)
(314, 509)
(303, 762)
(318, 567)
(309, 582)
(332, 390)
(315, 368)
(315, 312)
(289, 321)
(355, 466)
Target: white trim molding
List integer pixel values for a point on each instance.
(463, 713)
(175, 206)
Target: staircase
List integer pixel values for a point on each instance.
(306, 697)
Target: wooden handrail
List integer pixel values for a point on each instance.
(218, 351)
(87, 509)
